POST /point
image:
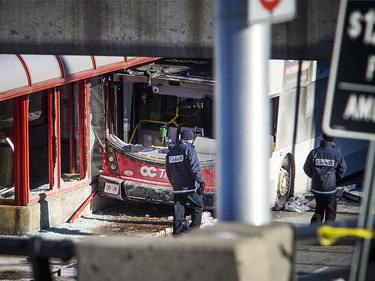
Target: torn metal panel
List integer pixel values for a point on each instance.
(178, 77)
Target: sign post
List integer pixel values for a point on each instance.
(350, 104)
(242, 53)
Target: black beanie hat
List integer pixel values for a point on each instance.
(187, 135)
(327, 138)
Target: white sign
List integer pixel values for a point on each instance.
(111, 188)
(273, 11)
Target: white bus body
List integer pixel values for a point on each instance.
(298, 90)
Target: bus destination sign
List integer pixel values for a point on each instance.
(350, 104)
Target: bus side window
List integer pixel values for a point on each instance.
(274, 119)
(272, 145)
(172, 134)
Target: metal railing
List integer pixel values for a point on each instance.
(309, 236)
(39, 251)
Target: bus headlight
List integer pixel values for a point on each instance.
(113, 167)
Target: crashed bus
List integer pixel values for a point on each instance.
(149, 105)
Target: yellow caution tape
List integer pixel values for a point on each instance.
(328, 235)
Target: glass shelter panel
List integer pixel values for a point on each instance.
(6, 151)
(70, 161)
(38, 142)
(97, 129)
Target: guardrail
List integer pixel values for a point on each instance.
(308, 236)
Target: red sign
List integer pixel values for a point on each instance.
(272, 11)
(270, 4)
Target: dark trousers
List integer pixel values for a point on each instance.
(325, 210)
(196, 202)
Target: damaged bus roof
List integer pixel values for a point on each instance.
(178, 77)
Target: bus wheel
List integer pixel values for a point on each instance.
(283, 189)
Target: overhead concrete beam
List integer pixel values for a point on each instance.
(310, 35)
(167, 28)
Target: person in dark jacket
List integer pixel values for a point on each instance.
(325, 165)
(184, 174)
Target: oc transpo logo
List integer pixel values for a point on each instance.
(152, 172)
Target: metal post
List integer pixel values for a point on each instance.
(365, 219)
(39, 251)
(242, 115)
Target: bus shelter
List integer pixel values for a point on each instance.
(51, 135)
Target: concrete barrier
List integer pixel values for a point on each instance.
(224, 252)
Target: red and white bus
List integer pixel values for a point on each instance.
(149, 105)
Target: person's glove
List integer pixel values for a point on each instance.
(200, 190)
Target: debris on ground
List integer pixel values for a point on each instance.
(297, 204)
(346, 194)
(352, 192)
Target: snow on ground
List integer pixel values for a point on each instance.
(109, 222)
(207, 220)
